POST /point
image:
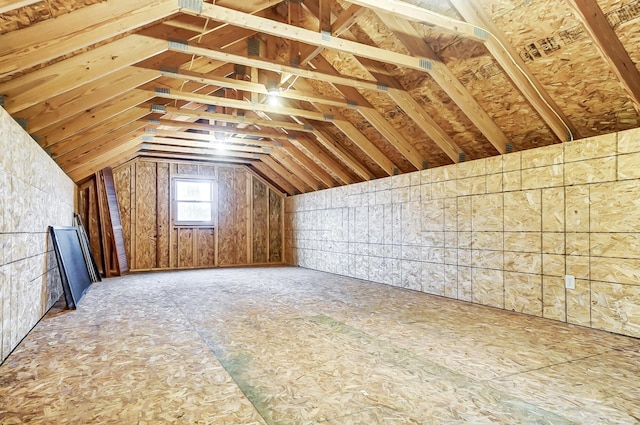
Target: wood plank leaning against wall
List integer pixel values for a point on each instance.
(248, 227)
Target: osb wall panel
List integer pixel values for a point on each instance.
(35, 193)
(276, 254)
(163, 202)
(233, 209)
(146, 215)
(206, 247)
(186, 253)
(260, 222)
(248, 228)
(501, 231)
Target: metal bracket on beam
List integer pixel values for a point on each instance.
(253, 47)
(162, 90)
(153, 121)
(396, 171)
(480, 33)
(23, 122)
(178, 44)
(352, 104)
(195, 5)
(326, 35)
(2, 98)
(308, 127)
(508, 148)
(277, 144)
(147, 138)
(425, 64)
(328, 117)
(169, 70)
(462, 157)
(256, 155)
(150, 130)
(266, 150)
(425, 165)
(161, 109)
(383, 87)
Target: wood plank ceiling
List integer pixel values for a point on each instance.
(316, 93)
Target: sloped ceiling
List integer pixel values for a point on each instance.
(316, 93)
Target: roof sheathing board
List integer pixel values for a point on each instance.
(427, 93)
(562, 56)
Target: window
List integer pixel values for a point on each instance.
(193, 202)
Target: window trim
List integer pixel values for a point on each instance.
(175, 201)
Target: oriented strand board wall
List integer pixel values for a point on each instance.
(500, 231)
(34, 194)
(248, 228)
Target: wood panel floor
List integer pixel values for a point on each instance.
(294, 346)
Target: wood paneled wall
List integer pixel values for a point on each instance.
(34, 194)
(248, 226)
(501, 231)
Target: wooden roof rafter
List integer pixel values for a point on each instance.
(480, 28)
(429, 64)
(395, 92)
(67, 33)
(610, 47)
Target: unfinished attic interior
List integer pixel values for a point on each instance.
(322, 211)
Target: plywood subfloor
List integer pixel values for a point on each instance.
(294, 346)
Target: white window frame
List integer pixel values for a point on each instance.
(175, 201)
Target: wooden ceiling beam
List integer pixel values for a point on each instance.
(513, 65)
(310, 146)
(9, 5)
(240, 104)
(374, 117)
(167, 145)
(101, 144)
(290, 32)
(421, 15)
(610, 47)
(342, 24)
(100, 130)
(411, 107)
(53, 38)
(325, 139)
(294, 16)
(256, 88)
(61, 77)
(348, 18)
(85, 98)
(422, 119)
(270, 65)
(300, 185)
(273, 177)
(292, 166)
(85, 120)
(278, 138)
(308, 164)
(141, 153)
(123, 152)
(291, 126)
(447, 80)
(176, 138)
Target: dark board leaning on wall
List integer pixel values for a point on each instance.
(71, 263)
